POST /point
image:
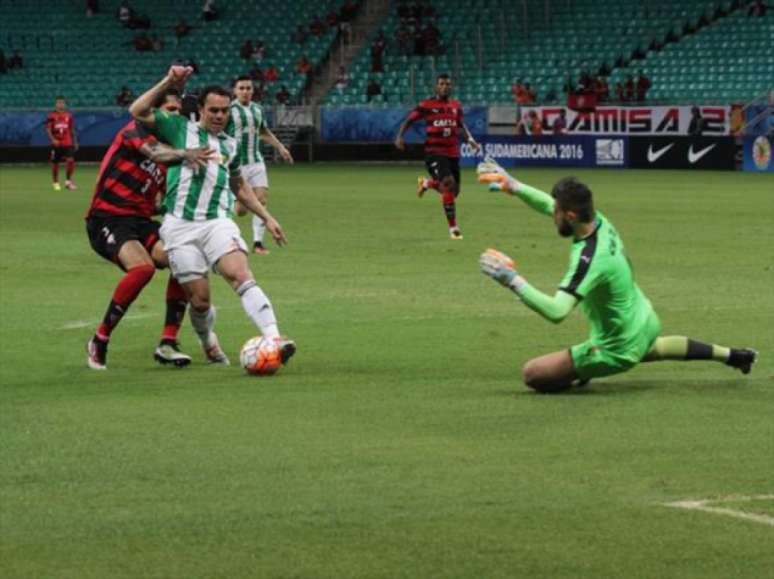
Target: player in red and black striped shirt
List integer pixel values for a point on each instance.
(60, 127)
(443, 118)
(121, 230)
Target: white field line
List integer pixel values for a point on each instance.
(704, 505)
(78, 324)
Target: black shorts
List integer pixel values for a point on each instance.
(59, 153)
(439, 167)
(108, 234)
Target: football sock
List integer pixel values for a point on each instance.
(202, 323)
(432, 184)
(683, 348)
(176, 304)
(258, 228)
(447, 198)
(258, 308)
(70, 168)
(55, 171)
(125, 293)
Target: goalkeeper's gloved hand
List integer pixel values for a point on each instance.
(501, 268)
(490, 171)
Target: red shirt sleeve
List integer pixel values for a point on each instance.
(419, 112)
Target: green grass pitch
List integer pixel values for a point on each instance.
(400, 442)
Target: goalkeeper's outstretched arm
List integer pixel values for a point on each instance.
(501, 268)
(489, 171)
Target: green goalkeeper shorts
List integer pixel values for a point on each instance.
(591, 361)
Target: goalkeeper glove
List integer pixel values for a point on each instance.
(501, 268)
(490, 171)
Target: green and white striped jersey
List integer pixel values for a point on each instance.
(245, 125)
(198, 193)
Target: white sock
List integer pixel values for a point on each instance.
(202, 323)
(258, 308)
(258, 228)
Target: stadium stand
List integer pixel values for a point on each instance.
(694, 50)
(88, 59)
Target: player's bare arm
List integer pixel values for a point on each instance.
(162, 153)
(399, 142)
(271, 138)
(469, 138)
(142, 108)
(244, 194)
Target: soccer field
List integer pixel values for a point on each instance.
(400, 441)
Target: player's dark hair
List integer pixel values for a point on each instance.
(444, 76)
(212, 89)
(59, 98)
(572, 195)
(242, 77)
(162, 98)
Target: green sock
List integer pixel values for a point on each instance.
(683, 348)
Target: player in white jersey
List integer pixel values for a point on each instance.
(197, 231)
(248, 126)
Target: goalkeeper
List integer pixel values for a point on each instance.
(625, 329)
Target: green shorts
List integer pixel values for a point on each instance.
(591, 361)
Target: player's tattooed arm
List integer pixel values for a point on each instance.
(271, 138)
(142, 108)
(246, 197)
(161, 153)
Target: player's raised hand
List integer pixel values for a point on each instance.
(276, 231)
(498, 266)
(179, 74)
(199, 157)
(490, 171)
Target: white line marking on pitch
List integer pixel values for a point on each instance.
(78, 324)
(704, 505)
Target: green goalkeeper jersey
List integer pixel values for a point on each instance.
(600, 276)
(198, 193)
(246, 125)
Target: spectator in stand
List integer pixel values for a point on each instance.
(182, 29)
(534, 124)
(209, 11)
(157, 44)
(300, 35)
(643, 84)
(246, 50)
(332, 19)
(303, 66)
(521, 126)
(432, 39)
(348, 11)
(92, 7)
(629, 89)
(560, 123)
(271, 74)
(258, 92)
(419, 41)
(142, 42)
(697, 124)
(377, 51)
(124, 13)
(283, 96)
(256, 73)
(531, 94)
(516, 89)
(757, 9)
(15, 61)
(317, 27)
(259, 51)
(342, 79)
(124, 97)
(373, 89)
(619, 92)
(404, 40)
(602, 90)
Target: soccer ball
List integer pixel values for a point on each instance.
(260, 356)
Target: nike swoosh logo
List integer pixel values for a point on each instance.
(654, 156)
(693, 157)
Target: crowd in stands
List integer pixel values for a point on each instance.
(340, 20)
(418, 33)
(14, 62)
